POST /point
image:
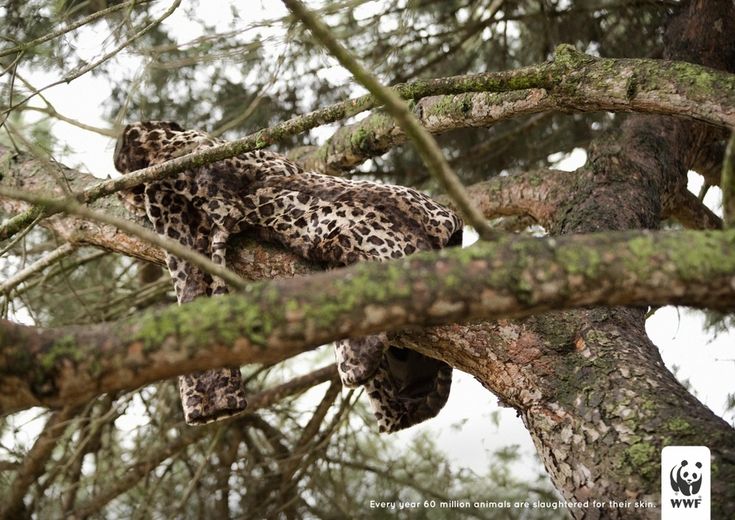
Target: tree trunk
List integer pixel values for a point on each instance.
(607, 404)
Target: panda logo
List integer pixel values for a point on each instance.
(686, 480)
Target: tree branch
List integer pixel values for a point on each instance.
(728, 183)
(136, 471)
(91, 66)
(272, 321)
(577, 81)
(169, 245)
(691, 212)
(353, 144)
(35, 461)
(249, 259)
(36, 267)
(537, 194)
(75, 25)
(426, 147)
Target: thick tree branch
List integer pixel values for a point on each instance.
(577, 81)
(272, 321)
(609, 404)
(691, 212)
(507, 357)
(534, 193)
(353, 144)
(537, 194)
(621, 91)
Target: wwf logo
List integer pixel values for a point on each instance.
(685, 483)
(685, 478)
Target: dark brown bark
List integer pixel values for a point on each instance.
(594, 393)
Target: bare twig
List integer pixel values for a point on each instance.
(39, 265)
(302, 454)
(703, 191)
(171, 246)
(91, 66)
(21, 221)
(318, 447)
(292, 387)
(142, 467)
(19, 236)
(66, 268)
(79, 23)
(424, 142)
(200, 470)
(51, 112)
(88, 443)
(34, 462)
(470, 30)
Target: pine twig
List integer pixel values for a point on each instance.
(425, 144)
(39, 265)
(143, 466)
(79, 23)
(34, 462)
(91, 66)
(171, 246)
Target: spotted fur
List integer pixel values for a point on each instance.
(322, 218)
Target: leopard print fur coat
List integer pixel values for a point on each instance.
(322, 218)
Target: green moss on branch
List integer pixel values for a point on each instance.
(271, 321)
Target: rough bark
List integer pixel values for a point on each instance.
(536, 194)
(598, 401)
(588, 85)
(271, 321)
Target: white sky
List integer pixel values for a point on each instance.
(709, 364)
